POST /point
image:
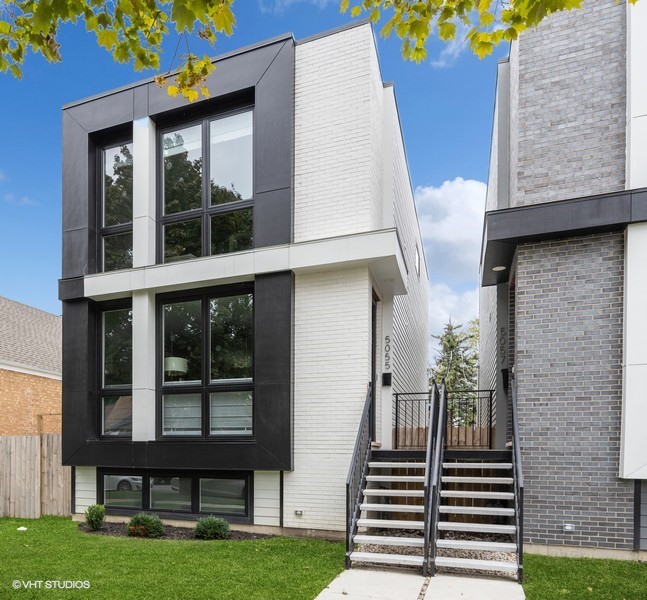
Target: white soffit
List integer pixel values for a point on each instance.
(378, 249)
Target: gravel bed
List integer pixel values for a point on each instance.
(448, 552)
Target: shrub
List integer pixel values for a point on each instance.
(212, 528)
(145, 525)
(95, 516)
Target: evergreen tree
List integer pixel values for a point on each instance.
(457, 362)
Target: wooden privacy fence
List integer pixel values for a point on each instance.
(33, 482)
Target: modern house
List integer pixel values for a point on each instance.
(241, 277)
(563, 319)
(30, 370)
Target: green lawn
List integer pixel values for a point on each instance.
(53, 549)
(548, 577)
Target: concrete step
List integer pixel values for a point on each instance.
(390, 524)
(476, 545)
(477, 495)
(476, 465)
(483, 480)
(476, 527)
(383, 540)
(387, 559)
(396, 478)
(412, 508)
(476, 564)
(394, 493)
(477, 510)
(396, 465)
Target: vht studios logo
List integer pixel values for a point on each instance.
(38, 584)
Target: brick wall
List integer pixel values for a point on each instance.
(22, 398)
(332, 325)
(568, 105)
(569, 303)
(337, 136)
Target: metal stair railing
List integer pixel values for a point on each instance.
(439, 452)
(431, 437)
(357, 472)
(518, 482)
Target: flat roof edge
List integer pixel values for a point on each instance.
(275, 40)
(334, 30)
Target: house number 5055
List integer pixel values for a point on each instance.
(387, 352)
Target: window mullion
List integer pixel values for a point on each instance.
(206, 196)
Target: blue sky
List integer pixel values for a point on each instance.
(445, 104)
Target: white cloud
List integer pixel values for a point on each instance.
(279, 6)
(444, 304)
(3, 176)
(452, 49)
(451, 224)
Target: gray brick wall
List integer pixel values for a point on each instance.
(569, 302)
(568, 103)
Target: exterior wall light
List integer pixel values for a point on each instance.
(499, 268)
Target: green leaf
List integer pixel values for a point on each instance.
(224, 20)
(4, 27)
(447, 30)
(356, 11)
(343, 7)
(182, 16)
(107, 38)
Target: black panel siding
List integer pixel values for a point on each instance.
(505, 229)
(264, 73)
(79, 379)
(271, 446)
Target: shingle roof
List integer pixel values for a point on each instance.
(29, 337)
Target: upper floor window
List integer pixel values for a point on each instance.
(117, 207)
(207, 187)
(116, 373)
(417, 261)
(207, 365)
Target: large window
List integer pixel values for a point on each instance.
(116, 372)
(116, 226)
(206, 356)
(210, 492)
(207, 187)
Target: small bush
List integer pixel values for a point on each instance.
(95, 516)
(212, 528)
(145, 525)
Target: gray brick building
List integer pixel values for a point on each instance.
(563, 280)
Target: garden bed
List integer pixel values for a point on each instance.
(171, 533)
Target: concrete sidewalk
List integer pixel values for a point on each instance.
(393, 584)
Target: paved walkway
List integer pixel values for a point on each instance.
(393, 584)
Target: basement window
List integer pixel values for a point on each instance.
(179, 494)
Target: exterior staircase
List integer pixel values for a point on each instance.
(476, 528)
(391, 525)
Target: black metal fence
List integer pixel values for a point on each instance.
(470, 419)
(411, 426)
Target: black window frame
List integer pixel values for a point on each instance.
(206, 210)
(113, 391)
(195, 476)
(206, 386)
(110, 230)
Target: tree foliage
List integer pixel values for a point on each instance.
(489, 22)
(457, 362)
(133, 30)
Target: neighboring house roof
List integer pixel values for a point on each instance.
(30, 339)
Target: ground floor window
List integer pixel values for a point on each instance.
(177, 493)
